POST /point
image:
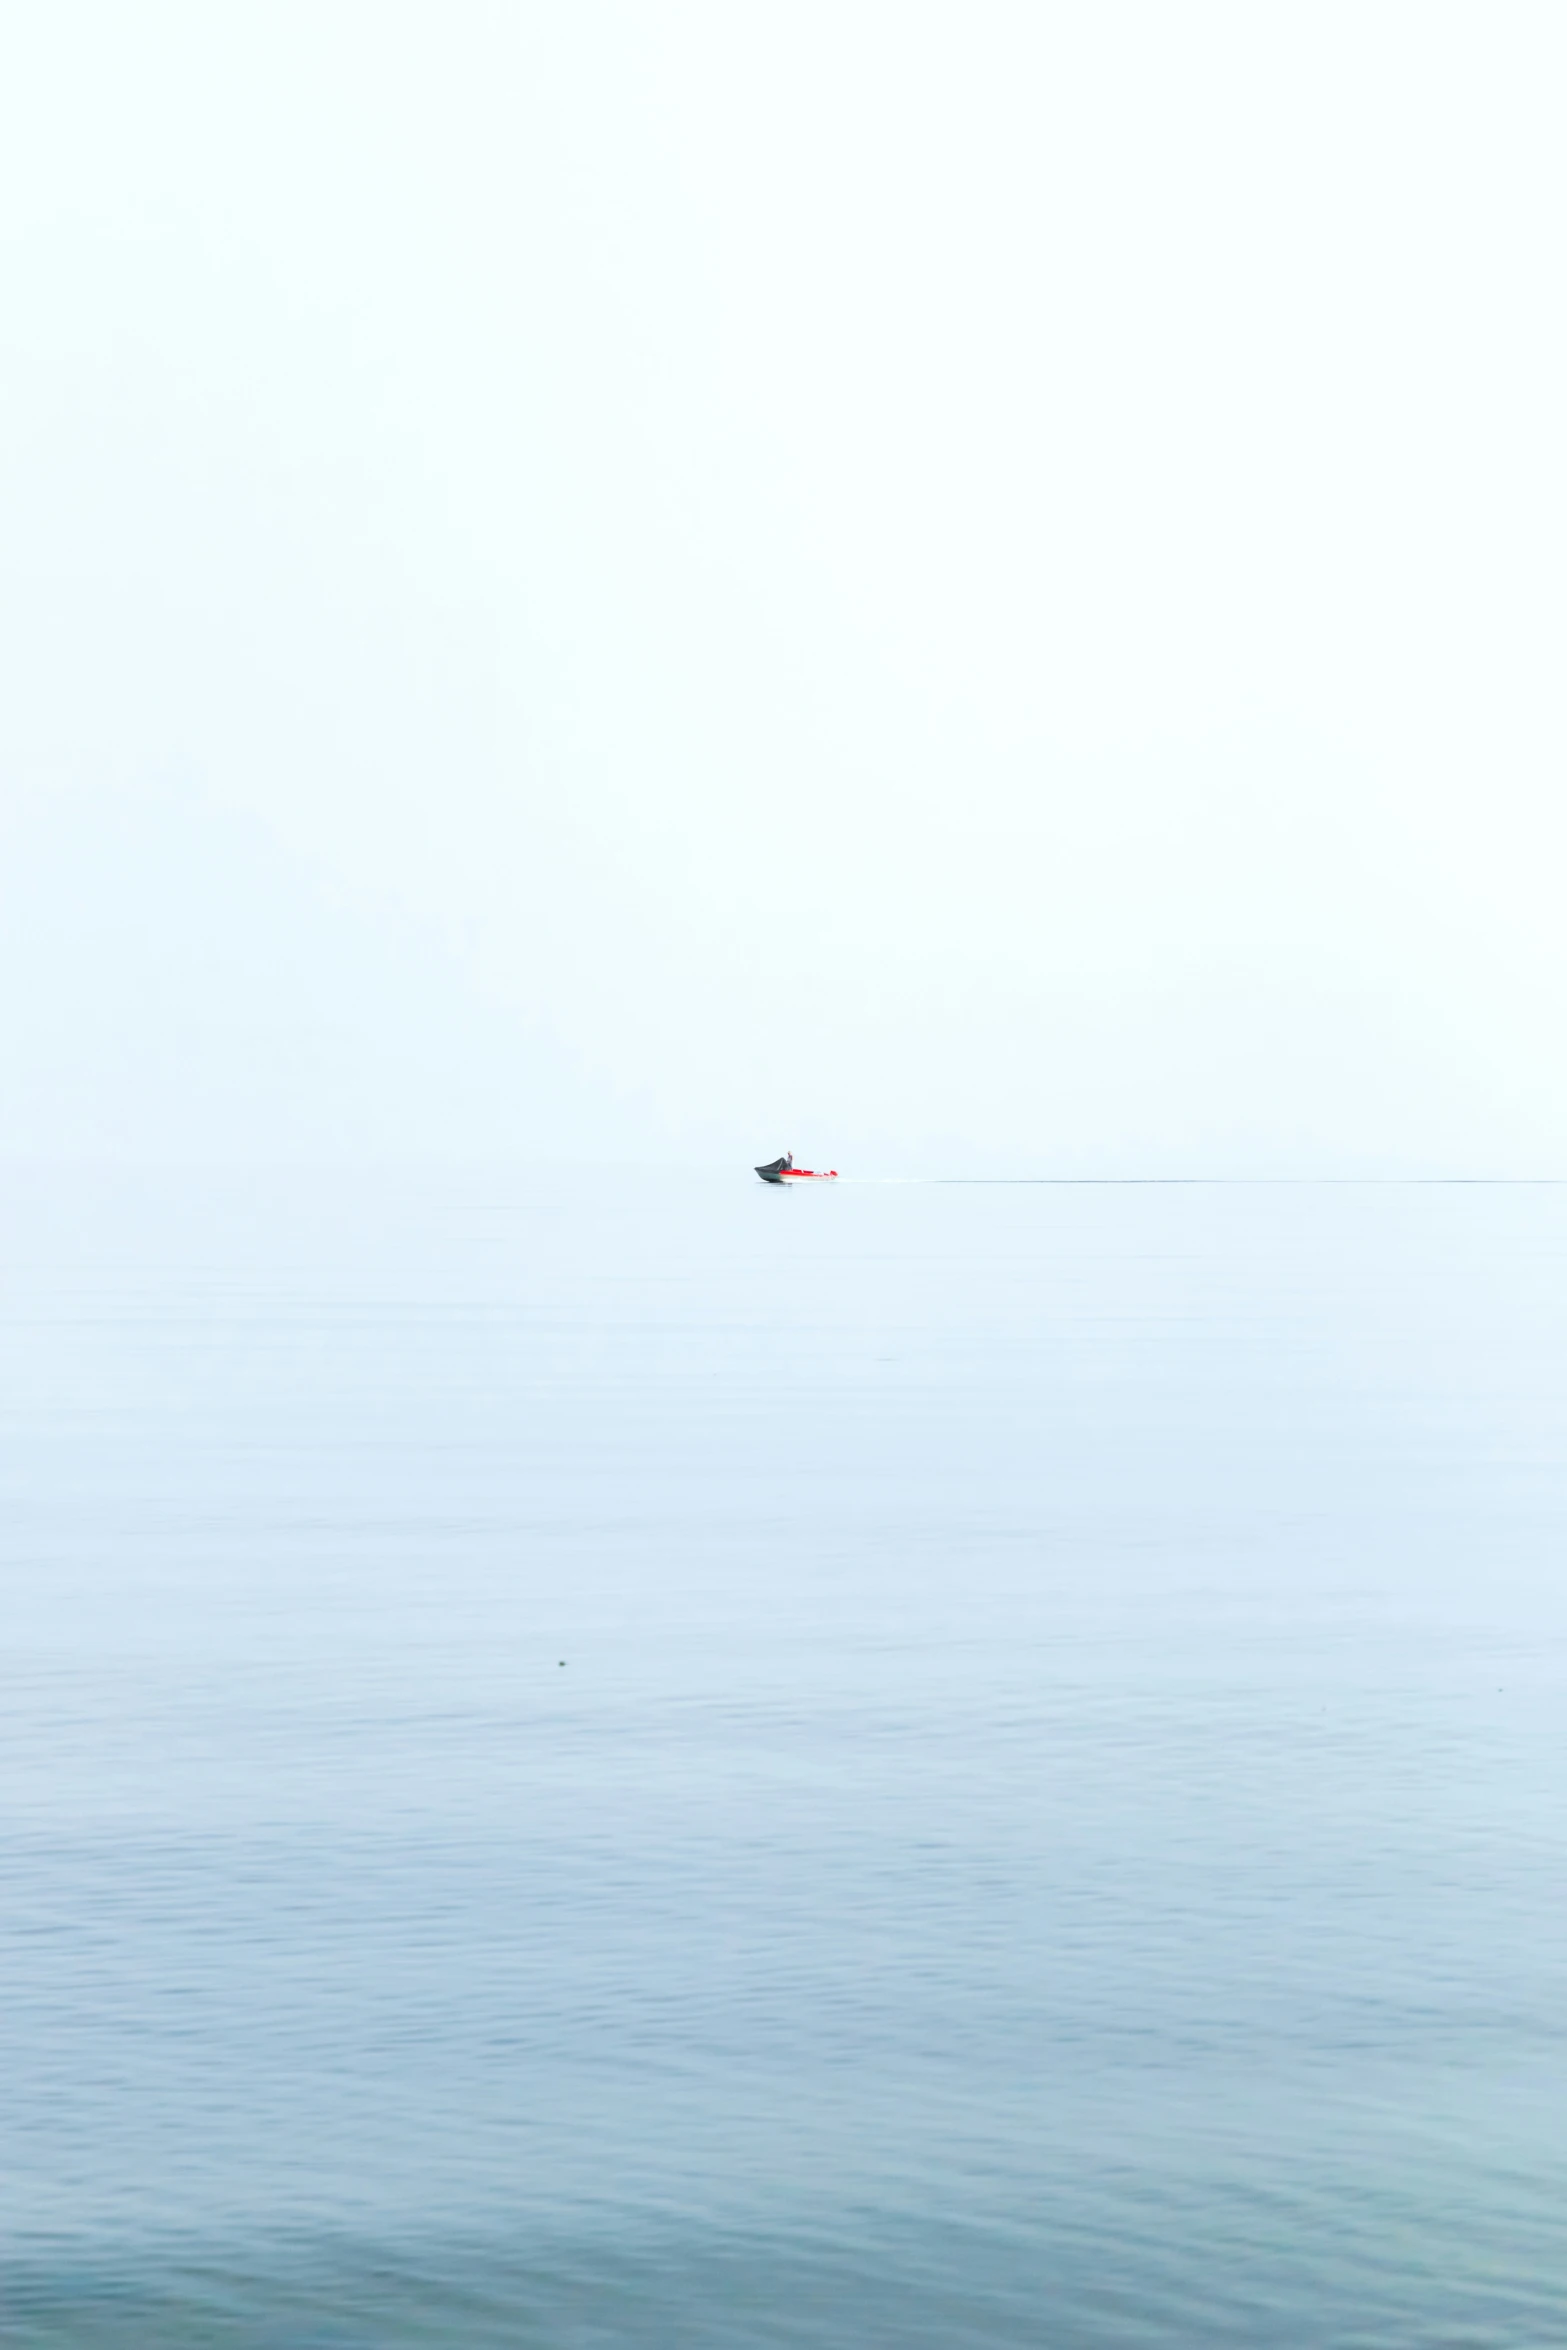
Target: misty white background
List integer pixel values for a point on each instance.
(694, 577)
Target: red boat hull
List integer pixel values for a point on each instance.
(784, 1170)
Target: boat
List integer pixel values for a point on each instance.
(784, 1170)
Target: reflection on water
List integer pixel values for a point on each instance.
(607, 1763)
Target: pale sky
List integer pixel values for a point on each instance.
(978, 584)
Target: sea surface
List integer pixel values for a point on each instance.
(600, 1761)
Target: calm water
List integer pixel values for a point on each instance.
(1051, 1827)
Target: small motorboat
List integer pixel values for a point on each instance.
(784, 1170)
